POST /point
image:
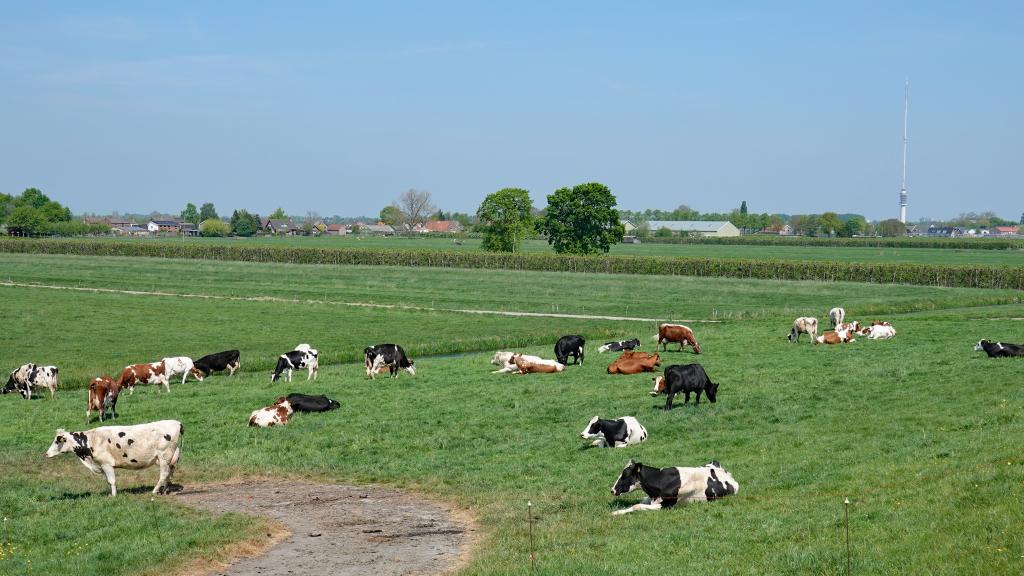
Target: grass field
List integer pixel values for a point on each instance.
(921, 434)
(816, 253)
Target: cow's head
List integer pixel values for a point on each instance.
(11, 385)
(197, 373)
(592, 428)
(64, 442)
(711, 390)
(980, 346)
(410, 368)
(628, 480)
(659, 385)
(713, 464)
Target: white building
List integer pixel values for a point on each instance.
(710, 228)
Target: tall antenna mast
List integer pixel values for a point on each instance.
(903, 183)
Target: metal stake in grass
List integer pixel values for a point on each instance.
(846, 509)
(533, 555)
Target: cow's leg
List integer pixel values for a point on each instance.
(686, 398)
(668, 401)
(698, 396)
(165, 474)
(184, 376)
(108, 472)
(233, 367)
(656, 505)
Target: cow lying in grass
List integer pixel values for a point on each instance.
(634, 363)
(667, 486)
(619, 346)
(622, 432)
(135, 447)
(878, 331)
(999, 349)
(835, 337)
(541, 367)
(508, 364)
(274, 415)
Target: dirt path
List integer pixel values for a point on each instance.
(337, 529)
(340, 303)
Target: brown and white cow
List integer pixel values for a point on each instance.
(834, 337)
(103, 392)
(634, 363)
(274, 415)
(543, 367)
(677, 333)
(152, 373)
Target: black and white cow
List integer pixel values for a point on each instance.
(307, 403)
(999, 349)
(227, 360)
(619, 433)
(390, 355)
(135, 447)
(684, 378)
(571, 345)
(302, 357)
(619, 346)
(667, 486)
(28, 376)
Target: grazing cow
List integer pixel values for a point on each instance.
(543, 367)
(835, 337)
(307, 403)
(684, 379)
(571, 345)
(677, 333)
(878, 331)
(836, 315)
(143, 374)
(390, 355)
(227, 360)
(181, 365)
(619, 346)
(103, 393)
(274, 415)
(803, 325)
(135, 447)
(667, 486)
(619, 433)
(999, 349)
(634, 363)
(302, 357)
(31, 375)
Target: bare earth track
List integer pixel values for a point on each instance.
(337, 529)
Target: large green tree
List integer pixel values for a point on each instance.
(505, 217)
(391, 215)
(582, 219)
(214, 227)
(243, 223)
(6, 206)
(190, 214)
(207, 211)
(277, 214)
(26, 220)
(892, 227)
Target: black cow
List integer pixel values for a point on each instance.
(296, 360)
(227, 360)
(570, 346)
(619, 346)
(307, 403)
(390, 355)
(666, 486)
(684, 378)
(999, 349)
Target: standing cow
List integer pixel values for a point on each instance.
(152, 373)
(103, 393)
(302, 357)
(836, 316)
(677, 333)
(571, 345)
(390, 355)
(181, 365)
(684, 379)
(803, 325)
(227, 360)
(29, 376)
(667, 486)
(135, 447)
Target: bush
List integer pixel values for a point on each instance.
(214, 227)
(926, 275)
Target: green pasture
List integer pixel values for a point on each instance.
(940, 256)
(922, 434)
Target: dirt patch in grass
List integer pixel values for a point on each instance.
(337, 529)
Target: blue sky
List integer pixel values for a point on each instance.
(338, 108)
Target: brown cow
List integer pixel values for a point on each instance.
(677, 333)
(143, 374)
(832, 337)
(546, 367)
(103, 392)
(634, 363)
(274, 415)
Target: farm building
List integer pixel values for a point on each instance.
(379, 229)
(275, 226)
(441, 226)
(710, 228)
(164, 226)
(336, 230)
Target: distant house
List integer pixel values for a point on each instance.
(379, 229)
(628, 227)
(277, 226)
(450, 226)
(112, 221)
(318, 228)
(709, 228)
(189, 229)
(778, 230)
(164, 226)
(1004, 231)
(130, 230)
(948, 231)
(336, 230)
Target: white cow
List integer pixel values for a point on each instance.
(181, 365)
(28, 376)
(880, 332)
(504, 359)
(135, 447)
(836, 316)
(803, 325)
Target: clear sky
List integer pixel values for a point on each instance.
(340, 107)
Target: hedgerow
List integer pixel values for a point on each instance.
(897, 242)
(881, 273)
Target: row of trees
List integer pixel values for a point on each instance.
(33, 213)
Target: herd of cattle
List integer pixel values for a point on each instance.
(108, 447)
